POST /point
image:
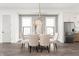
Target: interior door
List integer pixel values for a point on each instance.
(6, 28)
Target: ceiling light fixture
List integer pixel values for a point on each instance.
(38, 22)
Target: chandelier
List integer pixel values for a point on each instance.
(38, 22)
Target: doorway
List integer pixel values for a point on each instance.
(69, 28)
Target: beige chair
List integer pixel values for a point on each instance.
(45, 42)
(55, 41)
(21, 40)
(33, 42)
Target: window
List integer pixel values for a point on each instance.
(27, 28)
(26, 25)
(26, 21)
(49, 30)
(50, 25)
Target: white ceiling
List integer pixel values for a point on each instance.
(43, 5)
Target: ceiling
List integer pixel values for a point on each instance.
(42, 5)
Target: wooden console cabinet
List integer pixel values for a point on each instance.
(76, 38)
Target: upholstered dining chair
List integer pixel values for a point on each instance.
(55, 41)
(44, 42)
(33, 42)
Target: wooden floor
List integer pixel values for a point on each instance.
(9, 49)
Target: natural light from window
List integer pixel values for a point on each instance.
(26, 25)
(50, 24)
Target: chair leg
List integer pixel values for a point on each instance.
(55, 47)
(48, 48)
(37, 48)
(22, 45)
(41, 48)
(30, 48)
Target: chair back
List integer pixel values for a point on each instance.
(55, 36)
(34, 40)
(44, 40)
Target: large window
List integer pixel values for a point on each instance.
(50, 25)
(27, 28)
(26, 25)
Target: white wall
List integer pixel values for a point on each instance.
(15, 22)
(72, 17)
(61, 28)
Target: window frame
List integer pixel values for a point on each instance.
(22, 27)
(54, 27)
(29, 28)
(49, 27)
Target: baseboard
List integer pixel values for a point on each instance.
(6, 42)
(76, 41)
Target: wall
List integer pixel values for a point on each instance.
(61, 27)
(15, 21)
(72, 17)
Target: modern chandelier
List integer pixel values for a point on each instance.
(38, 22)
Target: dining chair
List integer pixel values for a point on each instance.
(21, 40)
(33, 42)
(55, 41)
(45, 42)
